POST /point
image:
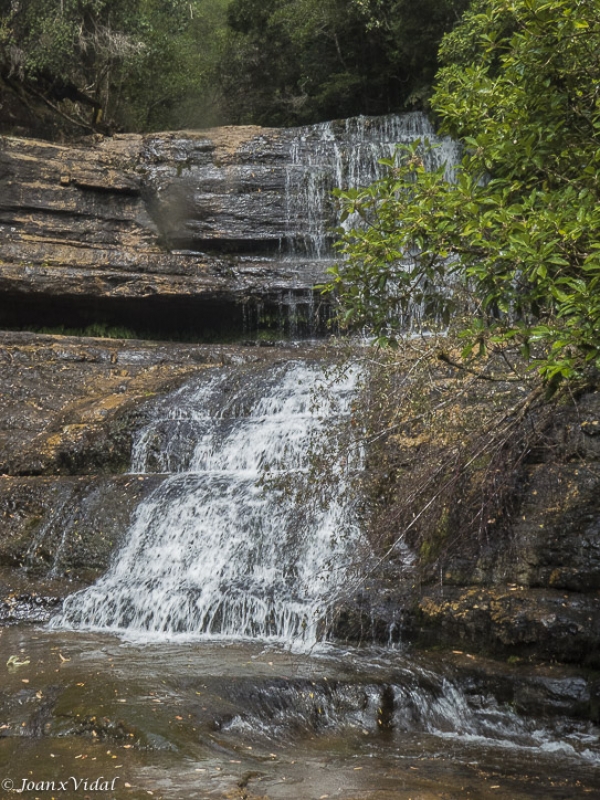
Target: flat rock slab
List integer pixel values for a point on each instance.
(68, 405)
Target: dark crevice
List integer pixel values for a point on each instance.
(200, 245)
(10, 211)
(210, 318)
(112, 190)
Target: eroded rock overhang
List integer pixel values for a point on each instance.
(182, 231)
(178, 232)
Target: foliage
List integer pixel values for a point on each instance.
(152, 64)
(299, 61)
(132, 64)
(521, 89)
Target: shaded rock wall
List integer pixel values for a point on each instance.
(123, 230)
(536, 589)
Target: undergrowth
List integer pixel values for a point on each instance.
(447, 450)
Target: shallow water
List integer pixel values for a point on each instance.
(239, 720)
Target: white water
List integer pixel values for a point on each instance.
(242, 539)
(346, 155)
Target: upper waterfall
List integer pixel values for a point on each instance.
(268, 191)
(346, 154)
(252, 532)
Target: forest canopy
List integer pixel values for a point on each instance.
(300, 61)
(141, 65)
(131, 65)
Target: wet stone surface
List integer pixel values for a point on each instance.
(211, 720)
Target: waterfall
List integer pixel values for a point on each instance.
(252, 531)
(345, 154)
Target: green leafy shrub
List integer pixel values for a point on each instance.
(518, 228)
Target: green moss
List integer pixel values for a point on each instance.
(431, 546)
(98, 329)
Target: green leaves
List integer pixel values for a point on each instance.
(520, 224)
(145, 63)
(298, 61)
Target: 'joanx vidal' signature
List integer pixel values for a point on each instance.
(100, 784)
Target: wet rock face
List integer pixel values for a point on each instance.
(525, 588)
(177, 232)
(70, 405)
(535, 592)
(69, 408)
(173, 233)
(67, 526)
(541, 624)
(122, 205)
(181, 232)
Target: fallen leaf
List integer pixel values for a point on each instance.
(14, 663)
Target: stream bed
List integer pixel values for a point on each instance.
(90, 715)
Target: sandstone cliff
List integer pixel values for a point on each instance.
(168, 231)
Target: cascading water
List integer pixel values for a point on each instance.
(241, 540)
(346, 155)
(251, 534)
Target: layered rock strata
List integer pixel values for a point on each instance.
(175, 232)
(181, 232)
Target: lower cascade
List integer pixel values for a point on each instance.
(251, 533)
